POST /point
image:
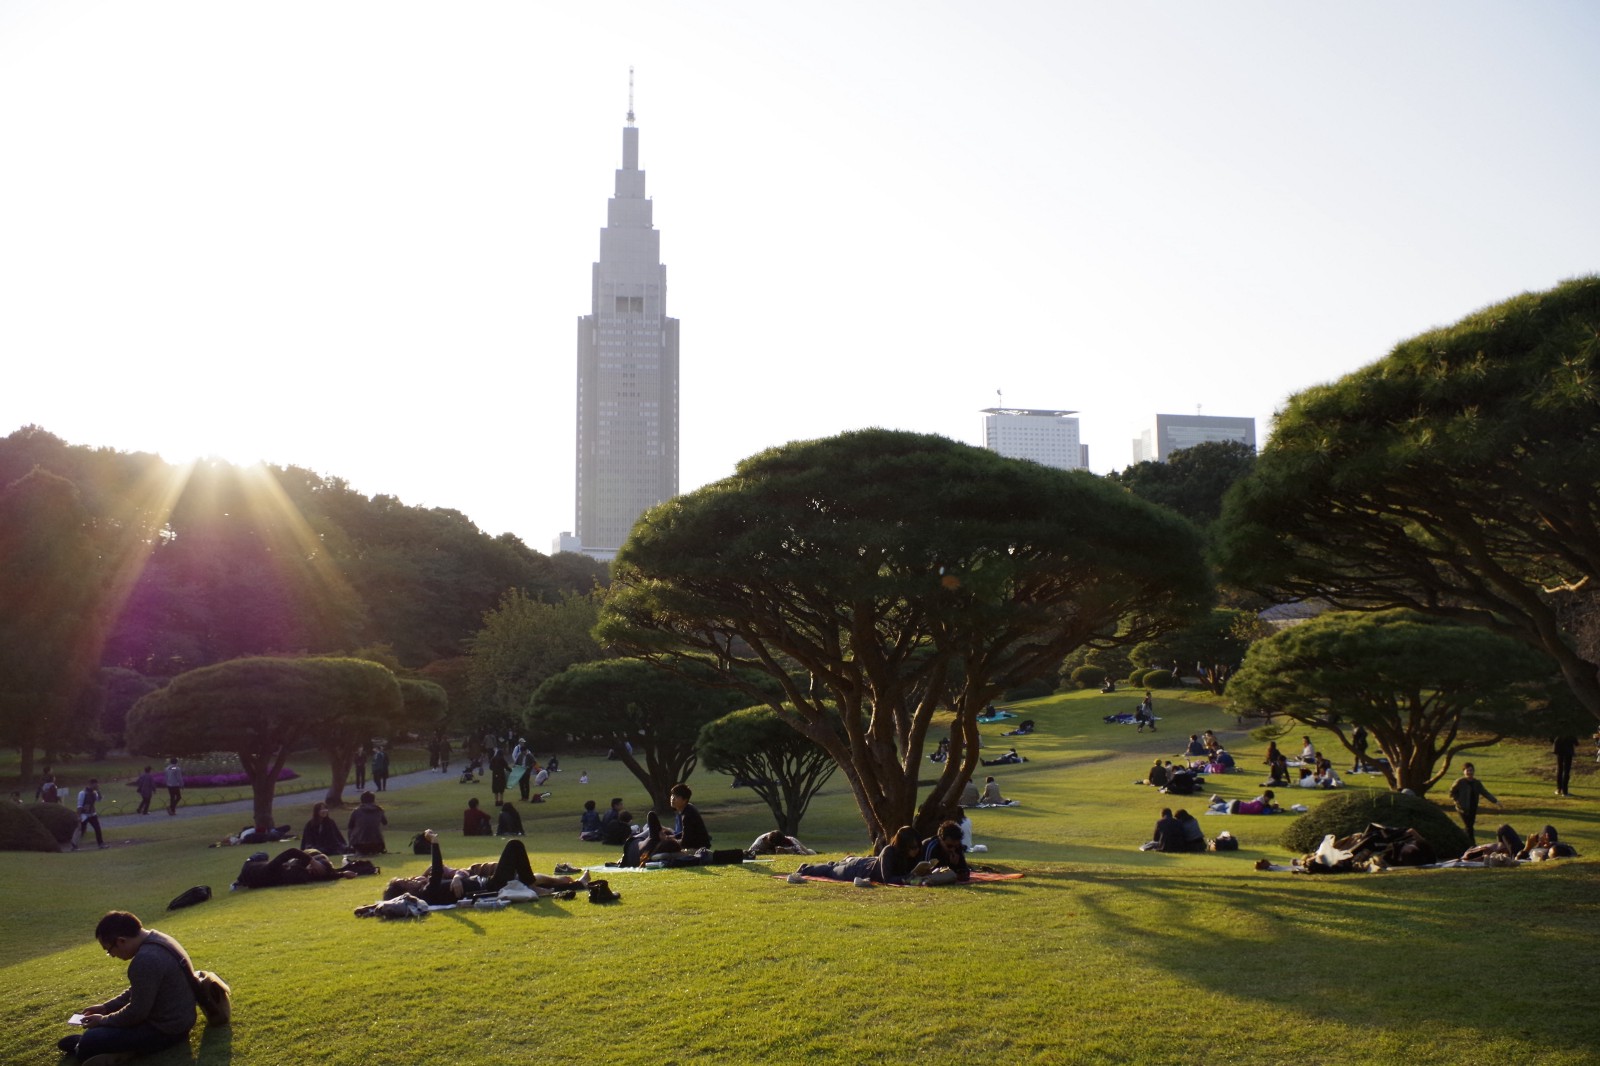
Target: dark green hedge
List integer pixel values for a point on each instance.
(1351, 812)
(21, 831)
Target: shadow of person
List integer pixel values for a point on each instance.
(216, 1046)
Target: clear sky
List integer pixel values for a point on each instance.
(356, 236)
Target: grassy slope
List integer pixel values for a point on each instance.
(1101, 954)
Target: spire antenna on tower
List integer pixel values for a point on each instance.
(630, 96)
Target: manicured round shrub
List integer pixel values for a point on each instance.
(58, 819)
(21, 831)
(1157, 679)
(1350, 812)
(1089, 677)
(1038, 688)
(1136, 676)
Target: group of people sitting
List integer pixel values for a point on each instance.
(1173, 780)
(1315, 770)
(939, 860)
(687, 840)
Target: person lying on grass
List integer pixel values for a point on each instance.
(944, 860)
(1546, 844)
(1266, 803)
(890, 866)
(440, 885)
(291, 866)
(777, 842)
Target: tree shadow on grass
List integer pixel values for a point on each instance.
(1440, 939)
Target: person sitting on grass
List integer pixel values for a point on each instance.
(944, 860)
(617, 830)
(322, 832)
(475, 821)
(1167, 835)
(1156, 775)
(441, 886)
(1308, 750)
(291, 866)
(589, 822)
(510, 823)
(689, 830)
(1194, 837)
(366, 826)
(991, 794)
(1196, 748)
(1222, 760)
(969, 794)
(890, 866)
(156, 1010)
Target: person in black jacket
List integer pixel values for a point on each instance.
(322, 832)
(689, 830)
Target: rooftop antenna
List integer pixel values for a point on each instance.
(630, 96)
(1000, 398)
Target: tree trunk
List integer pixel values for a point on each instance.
(339, 764)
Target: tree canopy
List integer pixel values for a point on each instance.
(1456, 475)
(524, 642)
(1425, 688)
(51, 621)
(1193, 480)
(778, 763)
(648, 716)
(263, 709)
(1211, 647)
(897, 574)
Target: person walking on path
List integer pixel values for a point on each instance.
(146, 787)
(380, 770)
(1565, 748)
(361, 768)
(1466, 793)
(87, 816)
(174, 779)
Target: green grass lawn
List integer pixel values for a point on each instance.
(1101, 954)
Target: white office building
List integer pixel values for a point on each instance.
(1173, 433)
(627, 457)
(1049, 438)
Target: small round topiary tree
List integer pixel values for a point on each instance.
(1089, 677)
(1136, 676)
(21, 831)
(1350, 812)
(58, 819)
(1157, 679)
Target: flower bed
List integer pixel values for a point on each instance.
(221, 780)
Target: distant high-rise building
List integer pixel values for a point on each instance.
(1173, 433)
(627, 371)
(1047, 437)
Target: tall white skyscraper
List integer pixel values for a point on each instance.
(627, 371)
(1174, 433)
(1047, 437)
